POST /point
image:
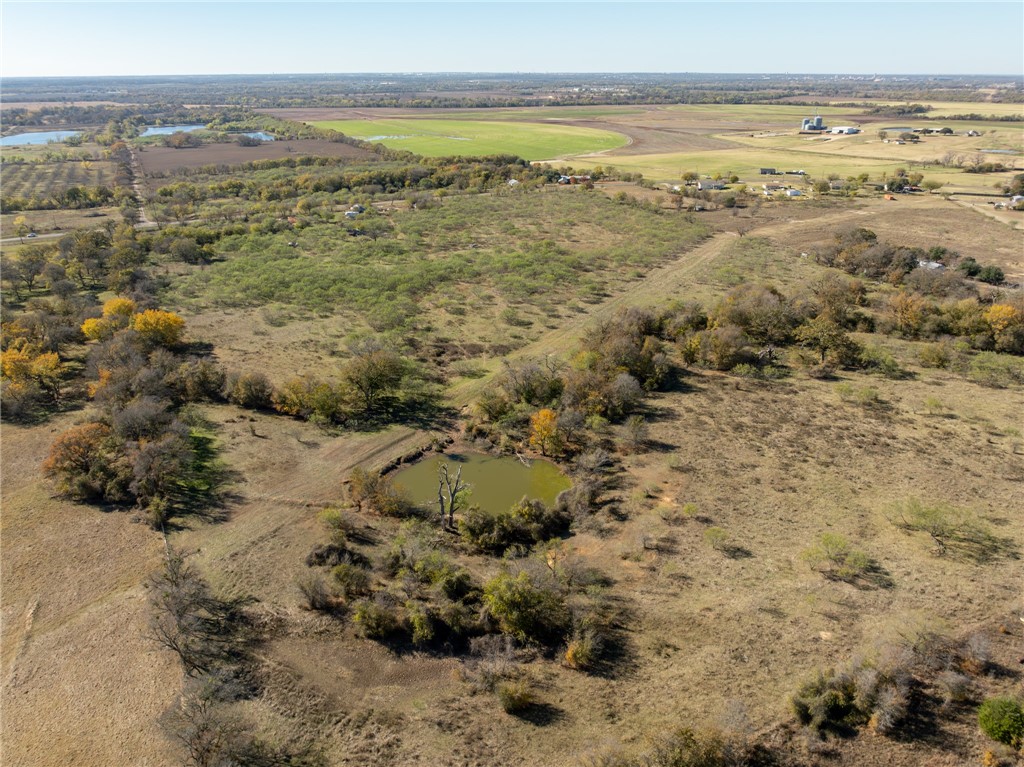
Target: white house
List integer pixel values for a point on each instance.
(845, 129)
(793, 193)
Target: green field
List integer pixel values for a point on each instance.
(439, 138)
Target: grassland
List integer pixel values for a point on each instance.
(516, 275)
(439, 138)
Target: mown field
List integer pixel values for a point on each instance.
(440, 138)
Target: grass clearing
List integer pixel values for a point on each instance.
(440, 138)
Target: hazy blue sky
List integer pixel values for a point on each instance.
(142, 38)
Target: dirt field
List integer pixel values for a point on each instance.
(159, 160)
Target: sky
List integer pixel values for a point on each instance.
(42, 38)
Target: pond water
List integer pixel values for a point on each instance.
(999, 151)
(42, 137)
(167, 130)
(496, 482)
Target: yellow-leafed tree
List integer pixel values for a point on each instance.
(544, 431)
(159, 327)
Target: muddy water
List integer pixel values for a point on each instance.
(496, 482)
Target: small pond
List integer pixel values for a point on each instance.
(496, 482)
(167, 130)
(999, 151)
(41, 137)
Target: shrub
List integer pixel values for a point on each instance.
(526, 611)
(938, 355)
(249, 390)
(158, 327)
(316, 593)
(421, 623)
(584, 650)
(996, 370)
(1002, 719)
(991, 274)
(834, 556)
(515, 695)
(826, 702)
(351, 579)
(526, 523)
(717, 538)
(376, 492)
(374, 620)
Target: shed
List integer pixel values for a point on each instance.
(793, 193)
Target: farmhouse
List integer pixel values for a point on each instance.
(846, 130)
(793, 193)
(770, 189)
(769, 172)
(708, 185)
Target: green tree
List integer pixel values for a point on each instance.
(374, 371)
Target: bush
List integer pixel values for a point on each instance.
(991, 274)
(376, 492)
(526, 523)
(717, 538)
(1002, 719)
(938, 355)
(826, 702)
(316, 593)
(249, 390)
(375, 620)
(834, 556)
(996, 370)
(515, 695)
(584, 650)
(529, 612)
(351, 579)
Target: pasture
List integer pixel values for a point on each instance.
(444, 137)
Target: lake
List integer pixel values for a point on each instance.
(32, 139)
(167, 130)
(496, 482)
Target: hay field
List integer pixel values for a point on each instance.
(439, 138)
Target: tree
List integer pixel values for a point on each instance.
(544, 431)
(21, 228)
(908, 311)
(373, 371)
(451, 493)
(828, 338)
(78, 461)
(525, 610)
(159, 327)
(883, 135)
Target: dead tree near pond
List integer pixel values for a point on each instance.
(455, 489)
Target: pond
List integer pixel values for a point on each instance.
(42, 137)
(495, 482)
(167, 130)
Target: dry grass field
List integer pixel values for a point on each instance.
(772, 464)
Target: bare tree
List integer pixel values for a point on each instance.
(455, 489)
